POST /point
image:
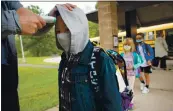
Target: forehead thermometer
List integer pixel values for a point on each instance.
(49, 19)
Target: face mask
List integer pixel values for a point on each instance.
(64, 39)
(127, 47)
(139, 41)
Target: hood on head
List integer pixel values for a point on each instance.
(77, 23)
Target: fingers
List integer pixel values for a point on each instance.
(39, 25)
(35, 28)
(69, 6)
(42, 21)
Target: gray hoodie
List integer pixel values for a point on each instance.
(77, 23)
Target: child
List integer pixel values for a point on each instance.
(78, 90)
(147, 54)
(133, 61)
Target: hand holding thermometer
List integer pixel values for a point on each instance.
(49, 19)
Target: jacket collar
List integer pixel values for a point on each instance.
(85, 54)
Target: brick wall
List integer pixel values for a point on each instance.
(107, 15)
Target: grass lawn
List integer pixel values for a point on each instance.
(36, 60)
(38, 88)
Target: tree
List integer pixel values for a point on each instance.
(93, 30)
(93, 27)
(35, 9)
(96, 6)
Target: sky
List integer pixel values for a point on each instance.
(47, 6)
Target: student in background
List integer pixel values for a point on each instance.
(161, 51)
(146, 51)
(133, 62)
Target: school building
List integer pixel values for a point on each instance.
(113, 16)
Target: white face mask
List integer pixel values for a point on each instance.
(64, 39)
(127, 47)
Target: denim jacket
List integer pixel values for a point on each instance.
(82, 94)
(148, 55)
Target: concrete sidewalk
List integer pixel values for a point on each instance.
(160, 97)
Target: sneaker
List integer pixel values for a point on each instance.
(142, 85)
(145, 90)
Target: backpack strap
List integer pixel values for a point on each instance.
(125, 71)
(94, 76)
(115, 56)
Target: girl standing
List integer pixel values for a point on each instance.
(133, 61)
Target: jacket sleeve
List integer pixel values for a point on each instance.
(109, 85)
(10, 19)
(138, 60)
(165, 45)
(151, 52)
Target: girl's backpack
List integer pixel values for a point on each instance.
(120, 65)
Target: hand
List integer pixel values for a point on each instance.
(149, 63)
(29, 21)
(70, 7)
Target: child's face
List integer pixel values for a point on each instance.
(127, 45)
(139, 37)
(61, 26)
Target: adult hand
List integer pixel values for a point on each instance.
(69, 6)
(29, 21)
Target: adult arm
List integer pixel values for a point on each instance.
(9, 19)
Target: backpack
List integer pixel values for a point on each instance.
(127, 94)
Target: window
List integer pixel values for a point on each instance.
(151, 35)
(145, 35)
(169, 38)
(119, 39)
(169, 32)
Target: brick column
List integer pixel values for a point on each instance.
(108, 24)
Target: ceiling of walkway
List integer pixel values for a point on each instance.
(147, 13)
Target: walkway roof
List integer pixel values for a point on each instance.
(147, 12)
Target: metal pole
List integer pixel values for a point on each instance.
(21, 44)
